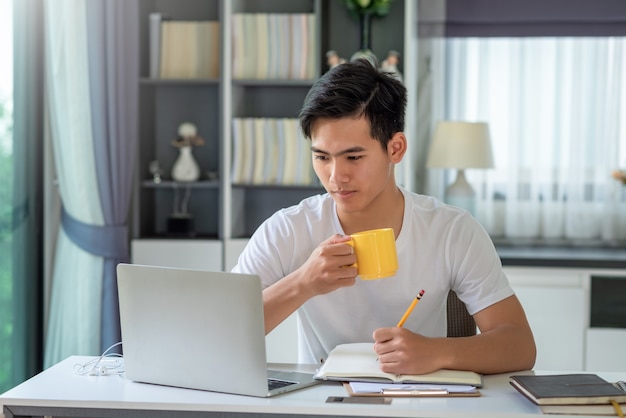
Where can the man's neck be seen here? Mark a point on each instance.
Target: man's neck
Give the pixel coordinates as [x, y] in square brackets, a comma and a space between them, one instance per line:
[386, 212]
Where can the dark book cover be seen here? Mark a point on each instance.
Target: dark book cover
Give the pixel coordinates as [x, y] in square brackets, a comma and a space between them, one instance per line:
[563, 389]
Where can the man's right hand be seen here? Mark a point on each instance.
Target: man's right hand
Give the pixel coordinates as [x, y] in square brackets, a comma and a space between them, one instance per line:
[329, 267]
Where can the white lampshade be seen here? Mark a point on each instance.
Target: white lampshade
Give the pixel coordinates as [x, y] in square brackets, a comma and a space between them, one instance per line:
[461, 145]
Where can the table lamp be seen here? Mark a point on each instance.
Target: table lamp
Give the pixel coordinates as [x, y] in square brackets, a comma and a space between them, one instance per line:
[461, 145]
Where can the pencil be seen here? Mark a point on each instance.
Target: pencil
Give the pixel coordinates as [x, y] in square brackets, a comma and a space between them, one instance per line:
[410, 308]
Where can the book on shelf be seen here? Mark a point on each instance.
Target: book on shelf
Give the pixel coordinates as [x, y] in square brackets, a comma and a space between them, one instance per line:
[237, 39]
[261, 36]
[250, 50]
[274, 46]
[260, 153]
[189, 49]
[311, 65]
[567, 389]
[304, 157]
[270, 151]
[298, 46]
[237, 151]
[155, 20]
[274, 39]
[280, 141]
[284, 47]
[359, 362]
[248, 151]
[303, 46]
[272, 157]
[208, 47]
[290, 171]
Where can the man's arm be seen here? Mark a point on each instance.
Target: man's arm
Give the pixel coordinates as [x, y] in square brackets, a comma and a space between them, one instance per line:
[327, 269]
[282, 299]
[504, 344]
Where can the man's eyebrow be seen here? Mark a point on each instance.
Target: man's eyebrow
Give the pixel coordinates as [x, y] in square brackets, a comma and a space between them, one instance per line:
[340, 153]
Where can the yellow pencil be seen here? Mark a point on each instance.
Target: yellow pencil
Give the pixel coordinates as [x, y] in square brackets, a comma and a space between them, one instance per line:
[410, 309]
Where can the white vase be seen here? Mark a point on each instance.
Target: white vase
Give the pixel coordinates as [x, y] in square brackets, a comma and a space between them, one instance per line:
[185, 168]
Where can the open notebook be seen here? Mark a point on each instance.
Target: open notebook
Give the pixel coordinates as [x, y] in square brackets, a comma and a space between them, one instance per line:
[197, 329]
[357, 362]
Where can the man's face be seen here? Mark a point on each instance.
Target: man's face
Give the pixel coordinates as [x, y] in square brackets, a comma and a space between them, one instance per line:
[352, 166]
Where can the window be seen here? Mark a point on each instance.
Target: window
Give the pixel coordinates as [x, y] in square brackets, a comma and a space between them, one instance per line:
[21, 136]
[556, 108]
[6, 175]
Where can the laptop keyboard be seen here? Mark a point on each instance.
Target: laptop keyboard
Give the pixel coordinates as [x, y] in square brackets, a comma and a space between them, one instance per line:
[276, 383]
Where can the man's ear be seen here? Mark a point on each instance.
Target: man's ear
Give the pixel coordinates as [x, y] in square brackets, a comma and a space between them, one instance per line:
[396, 147]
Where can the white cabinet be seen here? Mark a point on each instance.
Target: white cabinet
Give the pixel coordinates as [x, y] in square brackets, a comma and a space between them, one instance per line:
[232, 249]
[560, 304]
[182, 253]
[556, 318]
[605, 349]
[555, 305]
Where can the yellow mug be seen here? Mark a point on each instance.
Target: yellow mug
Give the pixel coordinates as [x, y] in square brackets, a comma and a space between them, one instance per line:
[375, 252]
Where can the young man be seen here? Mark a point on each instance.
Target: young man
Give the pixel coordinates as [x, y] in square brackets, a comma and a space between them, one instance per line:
[354, 117]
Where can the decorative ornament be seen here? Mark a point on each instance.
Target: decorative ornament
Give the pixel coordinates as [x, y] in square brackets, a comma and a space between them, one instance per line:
[333, 59]
[186, 168]
[390, 64]
[365, 10]
[156, 171]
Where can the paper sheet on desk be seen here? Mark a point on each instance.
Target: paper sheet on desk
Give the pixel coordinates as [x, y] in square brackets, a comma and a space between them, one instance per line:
[366, 387]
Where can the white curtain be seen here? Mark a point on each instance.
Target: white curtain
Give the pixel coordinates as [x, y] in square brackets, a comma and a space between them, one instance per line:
[74, 321]
[556, 108]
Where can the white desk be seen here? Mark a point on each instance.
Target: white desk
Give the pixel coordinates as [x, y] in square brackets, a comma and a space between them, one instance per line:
[58, 391]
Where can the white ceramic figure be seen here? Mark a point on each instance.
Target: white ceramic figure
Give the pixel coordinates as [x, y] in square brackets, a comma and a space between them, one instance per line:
[186, 168]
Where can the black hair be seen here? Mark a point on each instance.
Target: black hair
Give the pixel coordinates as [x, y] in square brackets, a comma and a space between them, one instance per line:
[357, 89]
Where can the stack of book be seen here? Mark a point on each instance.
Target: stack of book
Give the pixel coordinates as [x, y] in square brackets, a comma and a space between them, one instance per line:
[279, 46]
[270, 151]
[572, 394]
[184, 49]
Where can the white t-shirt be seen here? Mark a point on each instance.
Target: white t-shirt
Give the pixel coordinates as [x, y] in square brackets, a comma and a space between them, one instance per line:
[439, 248]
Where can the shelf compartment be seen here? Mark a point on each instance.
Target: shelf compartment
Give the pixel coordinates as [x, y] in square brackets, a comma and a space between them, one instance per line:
[252, 205]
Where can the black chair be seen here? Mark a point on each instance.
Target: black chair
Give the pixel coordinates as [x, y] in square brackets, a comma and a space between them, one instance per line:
[460, 322]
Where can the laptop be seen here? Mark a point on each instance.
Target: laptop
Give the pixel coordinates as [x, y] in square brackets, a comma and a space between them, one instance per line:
[199, 330]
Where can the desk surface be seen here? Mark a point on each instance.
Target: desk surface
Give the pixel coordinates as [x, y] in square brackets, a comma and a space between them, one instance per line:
[59, 391]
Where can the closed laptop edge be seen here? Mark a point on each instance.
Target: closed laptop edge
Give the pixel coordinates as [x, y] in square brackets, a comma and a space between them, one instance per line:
[196, 329]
